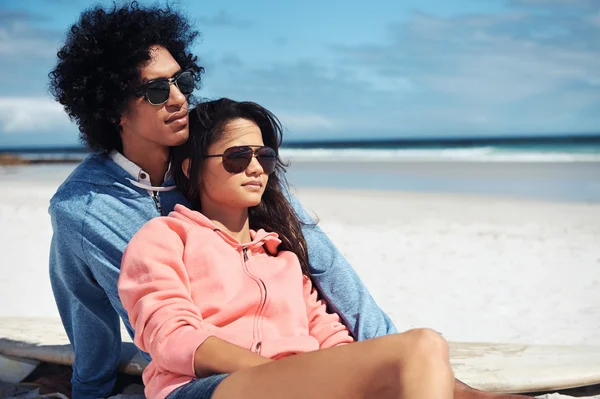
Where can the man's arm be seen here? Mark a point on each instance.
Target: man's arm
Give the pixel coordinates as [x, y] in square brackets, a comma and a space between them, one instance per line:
[338, 283]
[325, 327]
[90, 321]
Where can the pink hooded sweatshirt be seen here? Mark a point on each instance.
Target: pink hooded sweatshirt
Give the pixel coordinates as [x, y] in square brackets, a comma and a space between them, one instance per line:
[183, 280]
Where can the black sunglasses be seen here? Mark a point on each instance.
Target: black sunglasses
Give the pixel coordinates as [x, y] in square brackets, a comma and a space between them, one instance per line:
[236, 159]
[157, 91]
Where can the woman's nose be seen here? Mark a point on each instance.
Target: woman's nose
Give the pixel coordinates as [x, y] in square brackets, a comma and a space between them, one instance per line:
[254, 167]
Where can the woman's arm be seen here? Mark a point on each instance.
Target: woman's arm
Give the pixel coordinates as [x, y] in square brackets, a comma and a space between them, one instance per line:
[219, 356]
[155, 291]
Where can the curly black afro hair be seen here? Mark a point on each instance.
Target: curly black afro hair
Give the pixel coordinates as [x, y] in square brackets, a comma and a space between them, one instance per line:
[98, 68]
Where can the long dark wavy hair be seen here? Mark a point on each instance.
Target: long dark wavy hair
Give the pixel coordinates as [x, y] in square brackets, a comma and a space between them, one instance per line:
[274, 213]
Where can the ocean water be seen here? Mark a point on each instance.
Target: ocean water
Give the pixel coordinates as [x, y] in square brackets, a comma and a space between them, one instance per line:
[551, 171]
[514, 153]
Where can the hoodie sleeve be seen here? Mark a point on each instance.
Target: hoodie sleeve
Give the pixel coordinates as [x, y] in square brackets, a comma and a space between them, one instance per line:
[155, 290]
[325, 327]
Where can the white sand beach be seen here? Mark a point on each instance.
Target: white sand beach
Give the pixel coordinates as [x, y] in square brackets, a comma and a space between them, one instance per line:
[474, 268]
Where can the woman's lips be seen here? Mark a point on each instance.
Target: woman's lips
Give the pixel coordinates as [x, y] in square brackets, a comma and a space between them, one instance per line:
[255, 184]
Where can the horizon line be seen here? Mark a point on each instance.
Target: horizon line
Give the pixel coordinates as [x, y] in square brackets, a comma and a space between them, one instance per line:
[373, 142]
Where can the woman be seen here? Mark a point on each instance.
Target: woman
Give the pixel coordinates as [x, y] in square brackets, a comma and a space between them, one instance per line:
[220, 295]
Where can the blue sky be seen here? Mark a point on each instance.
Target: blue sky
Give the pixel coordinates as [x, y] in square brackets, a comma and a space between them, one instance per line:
[350, 69]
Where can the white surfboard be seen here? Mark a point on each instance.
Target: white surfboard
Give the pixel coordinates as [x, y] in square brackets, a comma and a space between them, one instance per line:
[508, 368]
[44, 339]
[520, 368]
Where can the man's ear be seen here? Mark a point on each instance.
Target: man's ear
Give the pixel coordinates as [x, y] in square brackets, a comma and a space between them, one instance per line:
[124, 117]
[185, 167]
[121, 121]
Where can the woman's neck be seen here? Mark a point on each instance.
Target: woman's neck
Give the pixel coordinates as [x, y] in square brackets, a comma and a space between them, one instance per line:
[234, 222]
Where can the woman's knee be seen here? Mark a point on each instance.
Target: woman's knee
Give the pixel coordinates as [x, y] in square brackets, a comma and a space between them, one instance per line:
[418, 352]
[417, 346]
[413, 348]
[427, 343]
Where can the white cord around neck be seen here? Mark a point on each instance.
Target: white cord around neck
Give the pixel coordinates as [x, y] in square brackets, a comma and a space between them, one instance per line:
[151, 188]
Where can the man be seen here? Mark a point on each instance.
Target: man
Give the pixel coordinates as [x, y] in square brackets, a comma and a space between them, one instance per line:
[125, 76]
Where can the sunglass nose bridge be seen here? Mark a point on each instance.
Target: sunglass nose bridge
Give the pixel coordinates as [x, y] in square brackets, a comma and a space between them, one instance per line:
[158, 91]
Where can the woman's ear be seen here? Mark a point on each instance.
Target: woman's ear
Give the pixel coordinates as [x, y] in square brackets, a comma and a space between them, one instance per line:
[185, 167]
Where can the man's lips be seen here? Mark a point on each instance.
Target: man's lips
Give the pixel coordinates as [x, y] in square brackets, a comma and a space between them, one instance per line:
[178, 115]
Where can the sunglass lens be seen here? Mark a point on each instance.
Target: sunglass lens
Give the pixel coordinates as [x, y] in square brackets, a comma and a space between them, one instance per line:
[267, 157]
[185, 83]
[158, 92]
[237, 159]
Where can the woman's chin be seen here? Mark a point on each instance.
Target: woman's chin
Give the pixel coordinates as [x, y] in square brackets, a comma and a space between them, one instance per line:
[251, 202]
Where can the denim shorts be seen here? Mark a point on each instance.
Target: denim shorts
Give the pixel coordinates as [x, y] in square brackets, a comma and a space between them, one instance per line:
[201, 388]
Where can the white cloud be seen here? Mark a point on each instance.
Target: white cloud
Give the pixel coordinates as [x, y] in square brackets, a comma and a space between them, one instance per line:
[546, 2]
[18, 39]
[507, 72]
[306, 121]
[31, 115]
[224, 19]
[596, 20]
[502, 69]
[377, 82]
[563, 3]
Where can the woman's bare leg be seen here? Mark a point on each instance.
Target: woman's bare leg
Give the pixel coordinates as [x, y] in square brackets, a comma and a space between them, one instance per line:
[414, 364]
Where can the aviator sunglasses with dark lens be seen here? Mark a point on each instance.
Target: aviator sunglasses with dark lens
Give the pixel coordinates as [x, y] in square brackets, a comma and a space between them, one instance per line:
[157, 91]
[236, 159]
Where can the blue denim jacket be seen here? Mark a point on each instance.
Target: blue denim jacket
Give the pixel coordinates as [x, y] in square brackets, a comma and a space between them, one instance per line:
[94, 214]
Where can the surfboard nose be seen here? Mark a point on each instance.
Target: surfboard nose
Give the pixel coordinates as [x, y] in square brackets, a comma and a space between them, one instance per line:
[14, 370]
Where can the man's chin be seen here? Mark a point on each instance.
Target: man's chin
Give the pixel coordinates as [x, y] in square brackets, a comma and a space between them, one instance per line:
[180, 137]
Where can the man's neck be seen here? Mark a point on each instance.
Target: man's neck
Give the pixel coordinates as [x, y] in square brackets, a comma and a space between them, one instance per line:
[153, 160]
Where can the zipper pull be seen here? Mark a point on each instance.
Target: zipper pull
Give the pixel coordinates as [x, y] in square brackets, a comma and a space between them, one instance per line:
[157, 201]
[245, 251]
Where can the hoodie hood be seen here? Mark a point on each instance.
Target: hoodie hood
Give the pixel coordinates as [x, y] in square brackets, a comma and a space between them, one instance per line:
[259, 238]
[98, 169]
